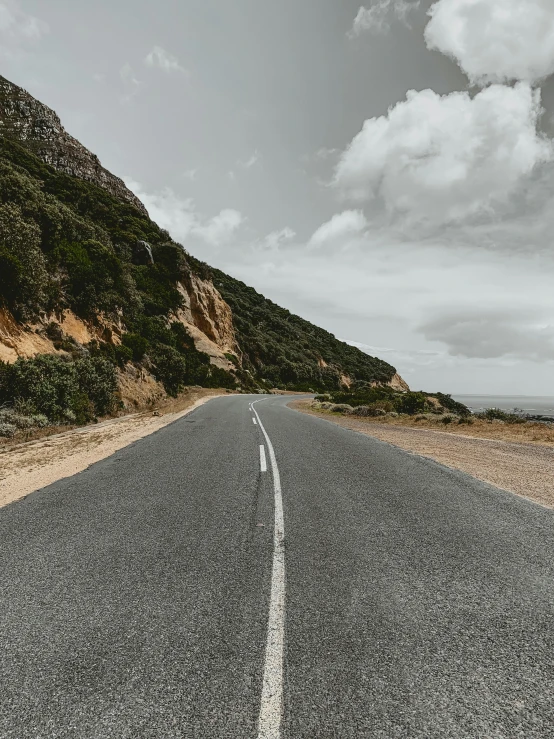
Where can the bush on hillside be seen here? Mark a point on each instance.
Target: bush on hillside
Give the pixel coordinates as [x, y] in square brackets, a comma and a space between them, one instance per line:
[59, 388]
[452, 405]
[411, 403]
[170, 368]
[23, 275]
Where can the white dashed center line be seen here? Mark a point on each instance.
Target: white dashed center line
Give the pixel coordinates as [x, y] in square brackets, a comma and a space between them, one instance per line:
[271, 707]
[263, 462]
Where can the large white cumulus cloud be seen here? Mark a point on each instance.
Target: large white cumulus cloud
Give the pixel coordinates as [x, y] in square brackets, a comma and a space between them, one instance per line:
[442, 158]
[495, 40]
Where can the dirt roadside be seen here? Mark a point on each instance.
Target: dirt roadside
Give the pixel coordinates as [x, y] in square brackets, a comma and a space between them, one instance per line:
[32, 465]
[522, 468]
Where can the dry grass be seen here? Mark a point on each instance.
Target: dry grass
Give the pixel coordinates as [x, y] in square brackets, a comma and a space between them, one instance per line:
[522, 433]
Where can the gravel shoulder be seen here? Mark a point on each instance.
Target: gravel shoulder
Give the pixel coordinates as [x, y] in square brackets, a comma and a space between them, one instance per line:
[522, 468]
[30, 466]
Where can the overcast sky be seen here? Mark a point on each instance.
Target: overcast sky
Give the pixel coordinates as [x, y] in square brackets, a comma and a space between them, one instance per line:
[386, 172]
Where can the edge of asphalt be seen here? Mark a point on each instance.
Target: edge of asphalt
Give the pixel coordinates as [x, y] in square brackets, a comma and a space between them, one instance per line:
[69, 465]
[461, 475]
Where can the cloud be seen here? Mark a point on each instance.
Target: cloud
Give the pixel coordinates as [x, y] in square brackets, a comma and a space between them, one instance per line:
[324, 153]
[131, 83]
[221, 228]
[18, 28]
[180, 218]
[339, 229]
[376, 19]
[173, 213]
[251, 161]
[165, 61]
[495, 40]
[493, 334]
[276, 238]
[190, 174]
[442, 158]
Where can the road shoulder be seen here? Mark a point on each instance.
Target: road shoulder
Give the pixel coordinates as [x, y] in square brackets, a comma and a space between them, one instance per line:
[523, 469]
[32, 465]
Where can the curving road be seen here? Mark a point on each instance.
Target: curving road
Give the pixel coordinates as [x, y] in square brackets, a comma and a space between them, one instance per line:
[405, 600]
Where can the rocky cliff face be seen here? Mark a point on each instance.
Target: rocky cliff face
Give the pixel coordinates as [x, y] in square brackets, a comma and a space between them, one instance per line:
[397, 383]
[40, 130]
[209, 321]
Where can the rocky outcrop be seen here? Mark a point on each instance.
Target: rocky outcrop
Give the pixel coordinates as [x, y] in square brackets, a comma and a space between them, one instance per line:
[209, 320]
[40, 130]
[397, 383]
[27, 340]
[18, 341]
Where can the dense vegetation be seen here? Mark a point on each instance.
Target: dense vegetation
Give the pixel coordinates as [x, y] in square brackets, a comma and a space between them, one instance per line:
[381, 400]
[66, 243]
[60, 389]
[285, 350]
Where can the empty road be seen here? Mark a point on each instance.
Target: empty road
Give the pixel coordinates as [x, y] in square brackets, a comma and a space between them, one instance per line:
[253, 572]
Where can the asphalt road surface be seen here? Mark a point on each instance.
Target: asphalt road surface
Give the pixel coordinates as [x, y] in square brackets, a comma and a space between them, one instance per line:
[153, 596]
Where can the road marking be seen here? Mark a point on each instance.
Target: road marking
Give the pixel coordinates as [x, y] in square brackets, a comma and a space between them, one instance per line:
[263, 463]
[271, 707]
[255, 422]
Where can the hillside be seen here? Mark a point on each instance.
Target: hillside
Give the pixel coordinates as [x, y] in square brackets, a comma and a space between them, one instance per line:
[87, 278]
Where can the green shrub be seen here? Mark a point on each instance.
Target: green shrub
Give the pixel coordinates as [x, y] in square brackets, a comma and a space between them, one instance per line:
[410, 403]
[170, 368]
[23, 275]
[137, 344]
[497, 414]
[218, 377]
[342, 408]
[59, 388]
[452, 405]
[7, 430]
[123, 354]
[94, 277]
[97, 381]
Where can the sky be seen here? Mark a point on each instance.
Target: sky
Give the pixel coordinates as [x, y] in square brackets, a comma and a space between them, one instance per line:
[384, 171]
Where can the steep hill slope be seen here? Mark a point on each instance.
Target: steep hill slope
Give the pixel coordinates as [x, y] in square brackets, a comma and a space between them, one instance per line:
[37, 126]
[86, 275]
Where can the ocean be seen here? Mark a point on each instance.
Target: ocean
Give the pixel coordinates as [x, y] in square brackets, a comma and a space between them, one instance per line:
[534, 405]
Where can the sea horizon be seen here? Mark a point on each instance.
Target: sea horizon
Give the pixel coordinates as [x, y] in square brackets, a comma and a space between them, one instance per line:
[539, 405]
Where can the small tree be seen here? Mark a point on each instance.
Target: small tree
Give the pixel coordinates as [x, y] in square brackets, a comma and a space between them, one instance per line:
[23, 275]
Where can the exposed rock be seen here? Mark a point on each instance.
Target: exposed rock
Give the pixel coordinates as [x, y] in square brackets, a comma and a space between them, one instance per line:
[209, 320]
[26, 341]
[346, 381]
[396, 382]
[40, 129]
[17, 341]
[142, 253]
